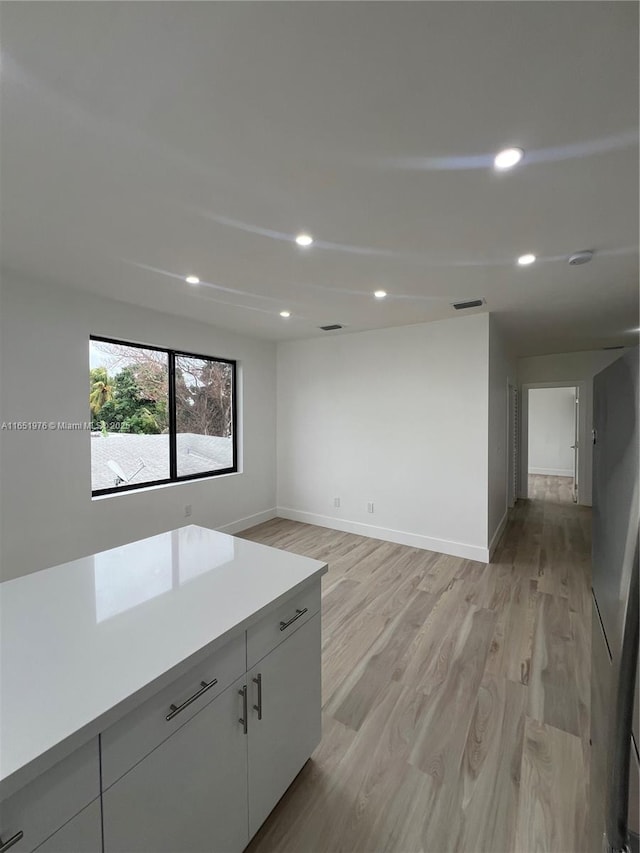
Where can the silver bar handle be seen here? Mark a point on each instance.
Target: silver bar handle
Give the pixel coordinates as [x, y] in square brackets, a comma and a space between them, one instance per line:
[175, 709]
[244, 719]
[258, 680]
[299, 613]
[5, 845]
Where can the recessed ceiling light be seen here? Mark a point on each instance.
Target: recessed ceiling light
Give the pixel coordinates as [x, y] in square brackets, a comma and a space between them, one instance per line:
[525, 260]
[380, 294]
[304, 239]
[508, 158]
[192, 279]
[285, 313]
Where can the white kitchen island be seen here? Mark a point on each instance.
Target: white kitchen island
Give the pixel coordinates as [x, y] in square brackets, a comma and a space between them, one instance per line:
[157, 697]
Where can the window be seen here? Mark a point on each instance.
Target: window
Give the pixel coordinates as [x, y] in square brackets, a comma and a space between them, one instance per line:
[158, 416]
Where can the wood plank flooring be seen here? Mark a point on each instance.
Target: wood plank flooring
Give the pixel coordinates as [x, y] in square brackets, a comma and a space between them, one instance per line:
[546, 487]
[455, 694]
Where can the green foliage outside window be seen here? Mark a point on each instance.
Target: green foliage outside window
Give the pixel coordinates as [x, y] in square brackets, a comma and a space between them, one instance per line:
[133, 400]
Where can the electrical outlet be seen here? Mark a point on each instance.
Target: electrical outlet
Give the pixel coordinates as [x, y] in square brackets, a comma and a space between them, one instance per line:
[187, 510]
[370, 506]
[336, 502]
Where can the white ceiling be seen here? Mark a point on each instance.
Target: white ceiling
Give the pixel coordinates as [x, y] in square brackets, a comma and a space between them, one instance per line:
[145, 141]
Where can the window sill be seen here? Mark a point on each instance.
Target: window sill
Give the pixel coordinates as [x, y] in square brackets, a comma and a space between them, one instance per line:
[158, 486]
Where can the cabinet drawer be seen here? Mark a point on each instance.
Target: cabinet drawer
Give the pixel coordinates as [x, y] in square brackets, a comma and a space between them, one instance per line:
[132, 738]
[280, 623]
[82, 834]
[53, 798]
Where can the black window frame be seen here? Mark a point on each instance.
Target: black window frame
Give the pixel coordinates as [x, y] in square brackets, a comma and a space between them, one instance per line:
[173, 458]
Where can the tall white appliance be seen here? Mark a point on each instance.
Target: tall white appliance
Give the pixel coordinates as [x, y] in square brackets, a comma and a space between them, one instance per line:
[615, 736]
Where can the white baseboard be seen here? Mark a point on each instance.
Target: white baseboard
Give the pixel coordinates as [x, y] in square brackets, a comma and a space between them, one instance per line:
[249, 521]
[552, 472]
[498, 534]
[401, 537]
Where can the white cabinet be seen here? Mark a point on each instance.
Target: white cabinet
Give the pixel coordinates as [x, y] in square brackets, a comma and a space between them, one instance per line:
[83, 834]
[285, 717]
[37, 811]
[281, 622]
[210, 785]
[189, 794]
[128, 741]
[194, 764]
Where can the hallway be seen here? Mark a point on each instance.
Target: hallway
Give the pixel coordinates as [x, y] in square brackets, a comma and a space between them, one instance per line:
[455, 694]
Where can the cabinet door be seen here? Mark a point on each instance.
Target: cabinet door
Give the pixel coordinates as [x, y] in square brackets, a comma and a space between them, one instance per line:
[189, 794]
[289, 680]
[37, 811]
[82, 834]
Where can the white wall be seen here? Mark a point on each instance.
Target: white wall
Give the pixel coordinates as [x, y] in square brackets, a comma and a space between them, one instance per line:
[411, 418]
[571, 368]
[47, 514]
[552, 413]
[502, 373]
[398, 417]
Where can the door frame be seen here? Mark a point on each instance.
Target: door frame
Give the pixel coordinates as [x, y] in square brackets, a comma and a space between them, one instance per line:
[513, 443]
[583, 439]
[577, 447]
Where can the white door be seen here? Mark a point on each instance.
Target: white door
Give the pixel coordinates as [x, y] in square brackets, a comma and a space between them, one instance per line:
[285, 717]
[576, 447]
[190, 794]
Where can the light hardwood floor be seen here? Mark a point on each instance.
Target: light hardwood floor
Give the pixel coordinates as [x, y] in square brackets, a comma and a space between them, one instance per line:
[455, 694]
[555, 489]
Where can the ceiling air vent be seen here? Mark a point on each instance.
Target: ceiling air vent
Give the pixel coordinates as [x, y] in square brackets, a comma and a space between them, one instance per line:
[618, 347]
[471, 303]
[580, 258]
[331, 327]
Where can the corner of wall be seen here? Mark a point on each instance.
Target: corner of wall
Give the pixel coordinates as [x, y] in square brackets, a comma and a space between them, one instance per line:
[502, 374]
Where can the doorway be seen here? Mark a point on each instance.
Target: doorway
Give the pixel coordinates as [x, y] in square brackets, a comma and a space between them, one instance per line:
[553, 445]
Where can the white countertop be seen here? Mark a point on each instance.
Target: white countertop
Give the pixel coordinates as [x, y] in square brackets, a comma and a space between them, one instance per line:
[84, 642]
